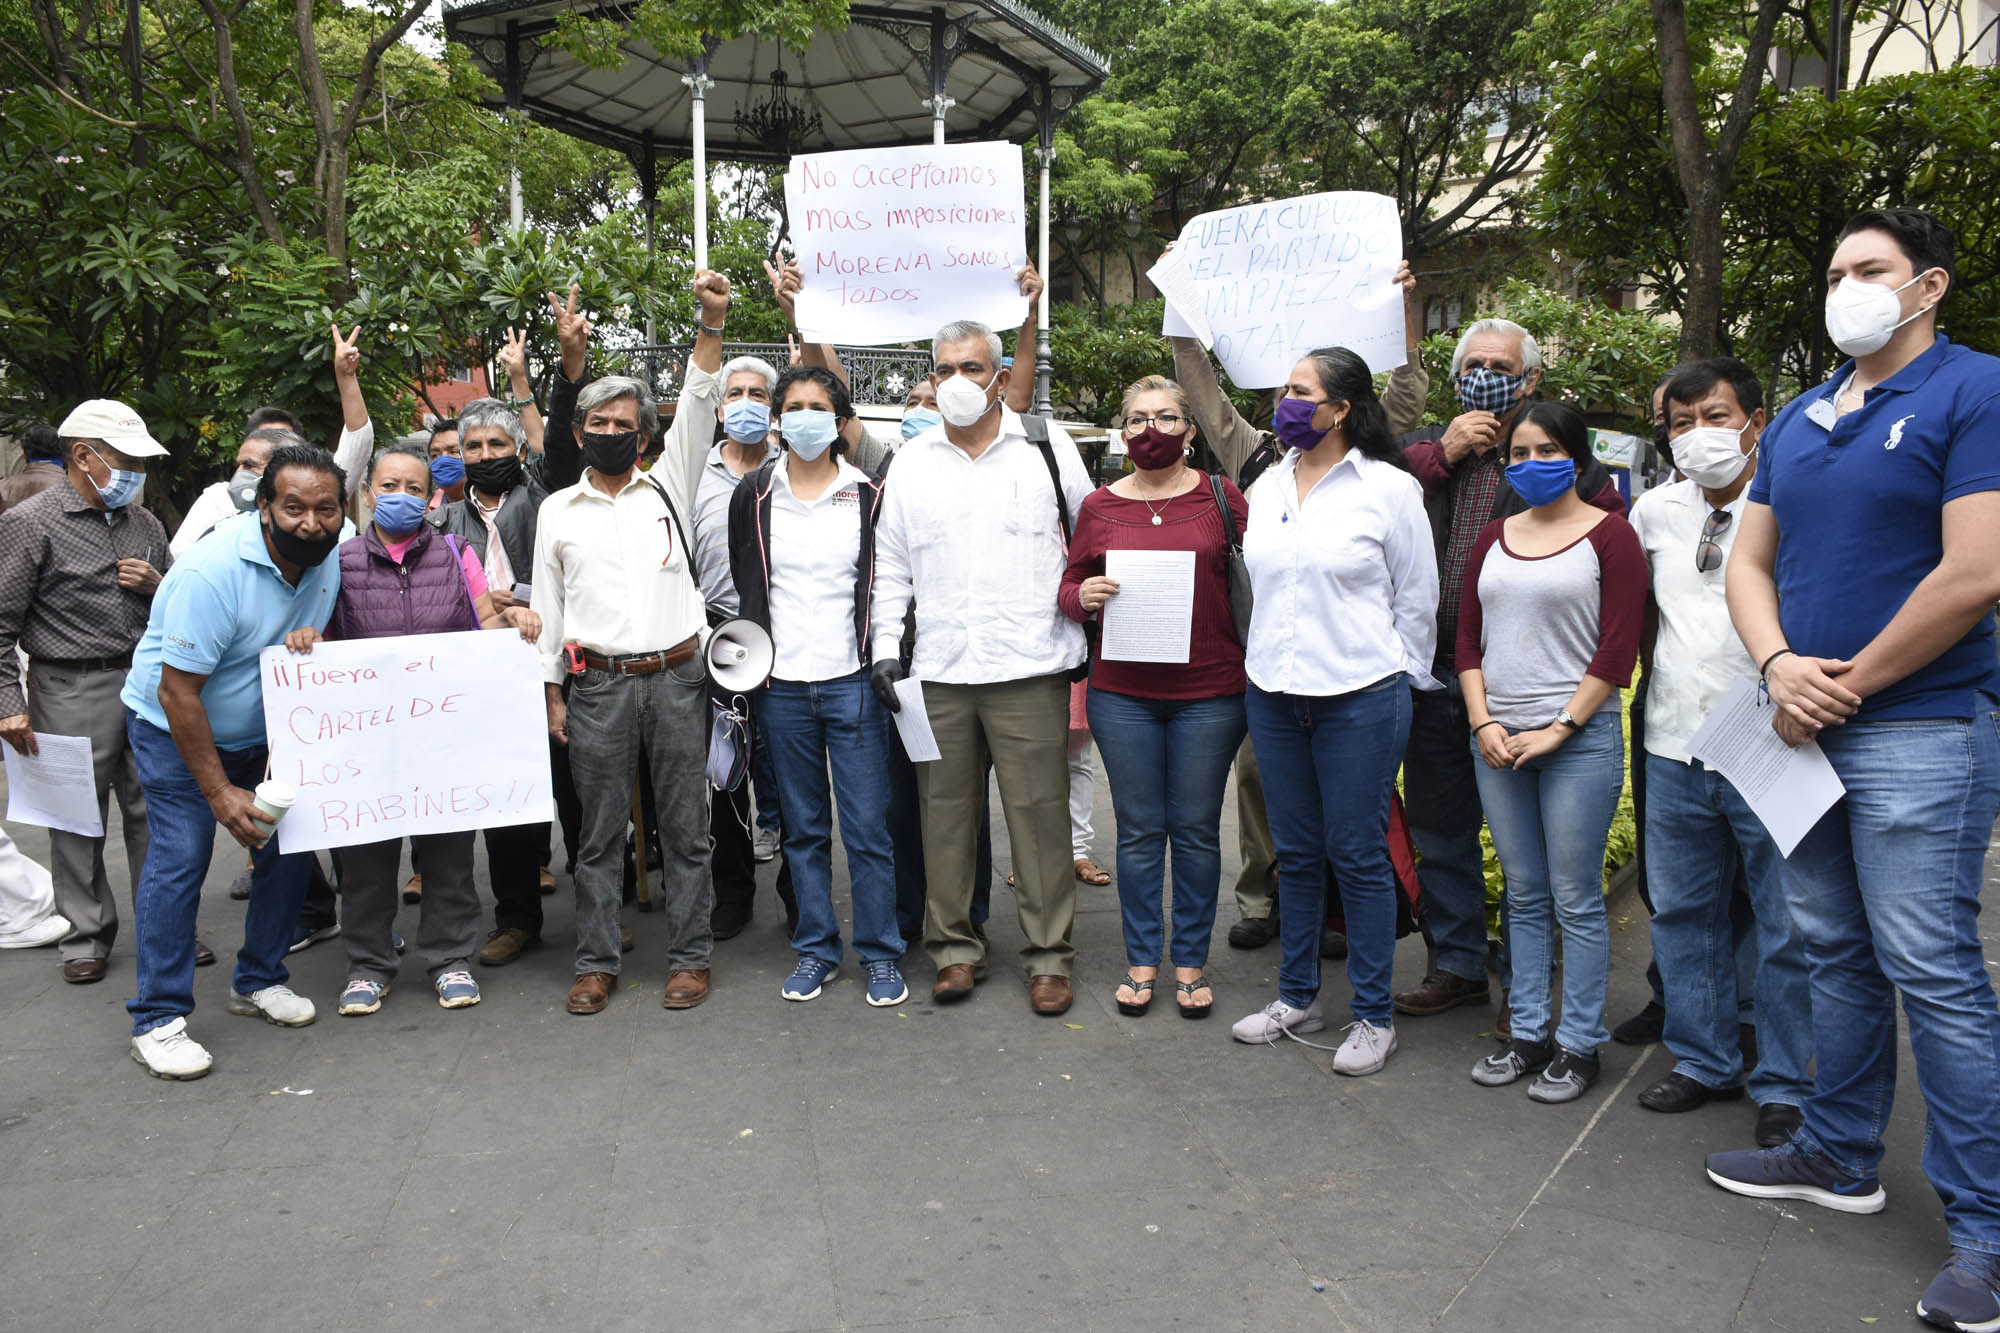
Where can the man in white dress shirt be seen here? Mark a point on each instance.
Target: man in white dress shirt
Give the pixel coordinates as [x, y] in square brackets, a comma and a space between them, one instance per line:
[621, 617]
[974, 529]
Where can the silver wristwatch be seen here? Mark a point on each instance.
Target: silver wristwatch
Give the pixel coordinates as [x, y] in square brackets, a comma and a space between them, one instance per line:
[1568, 721]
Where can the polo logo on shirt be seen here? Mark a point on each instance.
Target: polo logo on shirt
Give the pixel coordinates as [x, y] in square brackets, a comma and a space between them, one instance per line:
[1896, 432]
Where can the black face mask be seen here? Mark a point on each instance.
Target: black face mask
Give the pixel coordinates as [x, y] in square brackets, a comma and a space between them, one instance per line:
[495, 476]
[1663, 446]
[612, 455]
[305, 552]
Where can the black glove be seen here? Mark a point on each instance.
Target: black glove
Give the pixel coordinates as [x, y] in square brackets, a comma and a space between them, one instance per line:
[882, 678]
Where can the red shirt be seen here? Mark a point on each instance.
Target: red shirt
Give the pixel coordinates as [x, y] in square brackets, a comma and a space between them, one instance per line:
[1189, 522]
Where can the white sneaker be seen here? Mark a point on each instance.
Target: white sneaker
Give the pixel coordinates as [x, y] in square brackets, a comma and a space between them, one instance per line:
[168, 1051]
[1275, 1019]
[46, 931]
[274, 1004]
[1367, 1048]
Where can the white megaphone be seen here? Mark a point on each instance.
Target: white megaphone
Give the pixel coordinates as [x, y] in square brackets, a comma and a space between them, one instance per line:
[739, 656]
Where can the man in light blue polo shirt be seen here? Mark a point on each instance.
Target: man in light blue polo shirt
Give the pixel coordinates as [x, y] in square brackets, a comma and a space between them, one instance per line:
[1862, 584]
[195, 717]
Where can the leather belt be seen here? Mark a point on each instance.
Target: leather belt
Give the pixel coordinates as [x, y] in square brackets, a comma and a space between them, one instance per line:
[123, 663]
[640, 664]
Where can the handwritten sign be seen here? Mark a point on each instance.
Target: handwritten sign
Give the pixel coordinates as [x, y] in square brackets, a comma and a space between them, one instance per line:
[397, 737]
[895, 243]
[1266, 283]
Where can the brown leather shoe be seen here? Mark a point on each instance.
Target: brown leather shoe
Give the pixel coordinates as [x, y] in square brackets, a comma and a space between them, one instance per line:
[1441, 991]
[954, 983]
[203, 955]
[504, 946]
[686, 988]
[590, 992]
[83, 971]
[1049, 995]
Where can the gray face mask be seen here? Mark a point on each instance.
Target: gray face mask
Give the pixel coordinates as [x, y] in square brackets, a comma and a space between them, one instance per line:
[243, 489]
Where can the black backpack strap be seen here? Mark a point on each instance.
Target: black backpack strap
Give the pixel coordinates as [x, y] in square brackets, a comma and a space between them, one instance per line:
[1228, 516]
[673, 516]
[1037, 429]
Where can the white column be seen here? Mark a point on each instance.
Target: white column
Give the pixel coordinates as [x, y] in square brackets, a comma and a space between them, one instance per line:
[1044, 360]
[938, 105]
[698, 85]
[514, 213]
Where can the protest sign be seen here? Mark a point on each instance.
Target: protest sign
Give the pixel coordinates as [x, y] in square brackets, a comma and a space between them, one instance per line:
[397, 737]
[894, 243]
[1266, 283]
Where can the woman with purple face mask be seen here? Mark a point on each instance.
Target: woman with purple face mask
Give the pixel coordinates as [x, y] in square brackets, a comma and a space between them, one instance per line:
[1167, 730]
[1344, 570]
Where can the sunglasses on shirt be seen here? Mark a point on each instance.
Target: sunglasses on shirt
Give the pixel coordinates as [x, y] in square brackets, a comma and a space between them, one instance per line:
[1708, 553]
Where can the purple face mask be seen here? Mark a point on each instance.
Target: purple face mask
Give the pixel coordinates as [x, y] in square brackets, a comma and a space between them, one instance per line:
[1293, 422]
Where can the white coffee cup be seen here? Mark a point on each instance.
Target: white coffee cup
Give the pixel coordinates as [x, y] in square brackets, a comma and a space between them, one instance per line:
[273, 797]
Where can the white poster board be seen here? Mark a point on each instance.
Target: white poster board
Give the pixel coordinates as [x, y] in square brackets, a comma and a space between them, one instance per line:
[1266, 283]
[894, 243]
[397, 737]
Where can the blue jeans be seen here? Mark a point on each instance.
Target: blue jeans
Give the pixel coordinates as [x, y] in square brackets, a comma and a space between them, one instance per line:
[169, 887]
[1329, 764]
[764, 780]
[1698, 830]
[1550, 819]
[806, 726]
[1167, 761]
[1885, 890]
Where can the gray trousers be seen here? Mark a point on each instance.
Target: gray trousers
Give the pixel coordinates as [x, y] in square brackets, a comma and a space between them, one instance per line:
[615, 724]
[1257, 884]
[85, 703]
[370, 894]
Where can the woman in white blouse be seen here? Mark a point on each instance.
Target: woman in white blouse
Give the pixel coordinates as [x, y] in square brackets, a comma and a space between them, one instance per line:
[1344, 571]
[802, 550]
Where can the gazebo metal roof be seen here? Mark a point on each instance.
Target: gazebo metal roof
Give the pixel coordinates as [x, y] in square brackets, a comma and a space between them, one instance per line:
[1004, 72]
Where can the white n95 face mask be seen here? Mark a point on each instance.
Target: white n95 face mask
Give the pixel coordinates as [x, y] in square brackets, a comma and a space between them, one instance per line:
[1861, 316]
[962, 402]
[1711, 456]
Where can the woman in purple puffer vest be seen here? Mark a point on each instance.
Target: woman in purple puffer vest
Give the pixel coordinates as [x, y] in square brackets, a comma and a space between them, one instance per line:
[402, 576]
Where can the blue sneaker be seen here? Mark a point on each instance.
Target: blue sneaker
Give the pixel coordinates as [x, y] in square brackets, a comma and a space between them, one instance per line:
[457, 990]
[1794, 1172]
[396, 938]
[807, 979]
[1965, 1294]
[886, 985]
[306, 936]
[362, 996]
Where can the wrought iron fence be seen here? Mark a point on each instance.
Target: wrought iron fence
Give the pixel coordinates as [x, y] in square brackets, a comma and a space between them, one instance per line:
[874, 374]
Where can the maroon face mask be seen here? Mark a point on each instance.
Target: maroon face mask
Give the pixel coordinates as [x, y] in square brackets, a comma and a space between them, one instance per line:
[1154, 448]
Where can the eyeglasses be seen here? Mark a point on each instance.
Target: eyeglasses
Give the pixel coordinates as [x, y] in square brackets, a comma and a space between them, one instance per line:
[1708, 554]
[1169, 422]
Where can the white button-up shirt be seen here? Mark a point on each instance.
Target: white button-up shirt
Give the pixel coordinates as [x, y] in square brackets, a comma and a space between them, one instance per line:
[614, 574]
[815, 560]
[978, 544]
[1345, 582]
[1697, 657]
[711, 529]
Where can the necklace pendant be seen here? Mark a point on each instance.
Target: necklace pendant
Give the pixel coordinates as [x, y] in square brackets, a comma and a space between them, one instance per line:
[1156, 520]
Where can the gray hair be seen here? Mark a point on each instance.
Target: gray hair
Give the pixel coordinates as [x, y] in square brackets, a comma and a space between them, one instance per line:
[1531, 354]
[964, 330]
[278, 437]
[492, 412]
[736, 365]
[609, 389]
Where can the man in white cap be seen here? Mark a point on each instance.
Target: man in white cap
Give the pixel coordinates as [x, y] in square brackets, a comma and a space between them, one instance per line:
[78, 566]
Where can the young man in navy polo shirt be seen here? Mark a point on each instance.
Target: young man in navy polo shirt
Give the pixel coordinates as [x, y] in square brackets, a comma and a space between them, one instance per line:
[1863, 584]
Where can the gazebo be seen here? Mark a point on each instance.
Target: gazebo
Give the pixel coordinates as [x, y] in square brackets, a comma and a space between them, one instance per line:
[900, 72]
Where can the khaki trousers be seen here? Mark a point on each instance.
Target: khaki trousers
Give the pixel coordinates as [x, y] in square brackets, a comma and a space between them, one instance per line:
[1024, 726]
[1257, 885]
[63, 702]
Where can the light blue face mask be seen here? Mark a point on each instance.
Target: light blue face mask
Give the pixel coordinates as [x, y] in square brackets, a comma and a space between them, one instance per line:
[399, 513]
[747, 421]
[808, 432]
[122, 488]
[920, 419]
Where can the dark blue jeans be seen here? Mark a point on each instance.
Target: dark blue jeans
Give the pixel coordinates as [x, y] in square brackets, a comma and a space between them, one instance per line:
[1329, 764]
[1167, 761]
[807, 726]
[169, 888]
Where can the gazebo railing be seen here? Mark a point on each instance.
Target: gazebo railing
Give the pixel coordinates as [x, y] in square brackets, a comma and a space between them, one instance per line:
[875, 375]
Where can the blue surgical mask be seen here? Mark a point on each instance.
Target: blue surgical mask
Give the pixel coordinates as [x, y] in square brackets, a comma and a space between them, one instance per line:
[747, 421]
[920, 419]
[1483, 389]
[447, 469]
[1542, 481]
[122, 488]
[808, 432]
[399, 512]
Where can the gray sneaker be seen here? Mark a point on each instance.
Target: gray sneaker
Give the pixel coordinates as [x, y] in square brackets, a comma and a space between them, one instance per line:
[1515, 1060]
[1567, 1078]
[1367, 1048]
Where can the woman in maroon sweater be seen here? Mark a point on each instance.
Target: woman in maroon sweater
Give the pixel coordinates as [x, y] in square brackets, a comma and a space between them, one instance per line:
[1167, 731]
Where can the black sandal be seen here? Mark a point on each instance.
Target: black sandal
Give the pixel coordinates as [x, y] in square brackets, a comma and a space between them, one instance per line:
[1145, 988]
[1189, 988]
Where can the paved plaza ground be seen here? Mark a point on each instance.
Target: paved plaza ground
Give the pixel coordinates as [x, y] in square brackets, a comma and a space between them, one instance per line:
[754, 1164]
